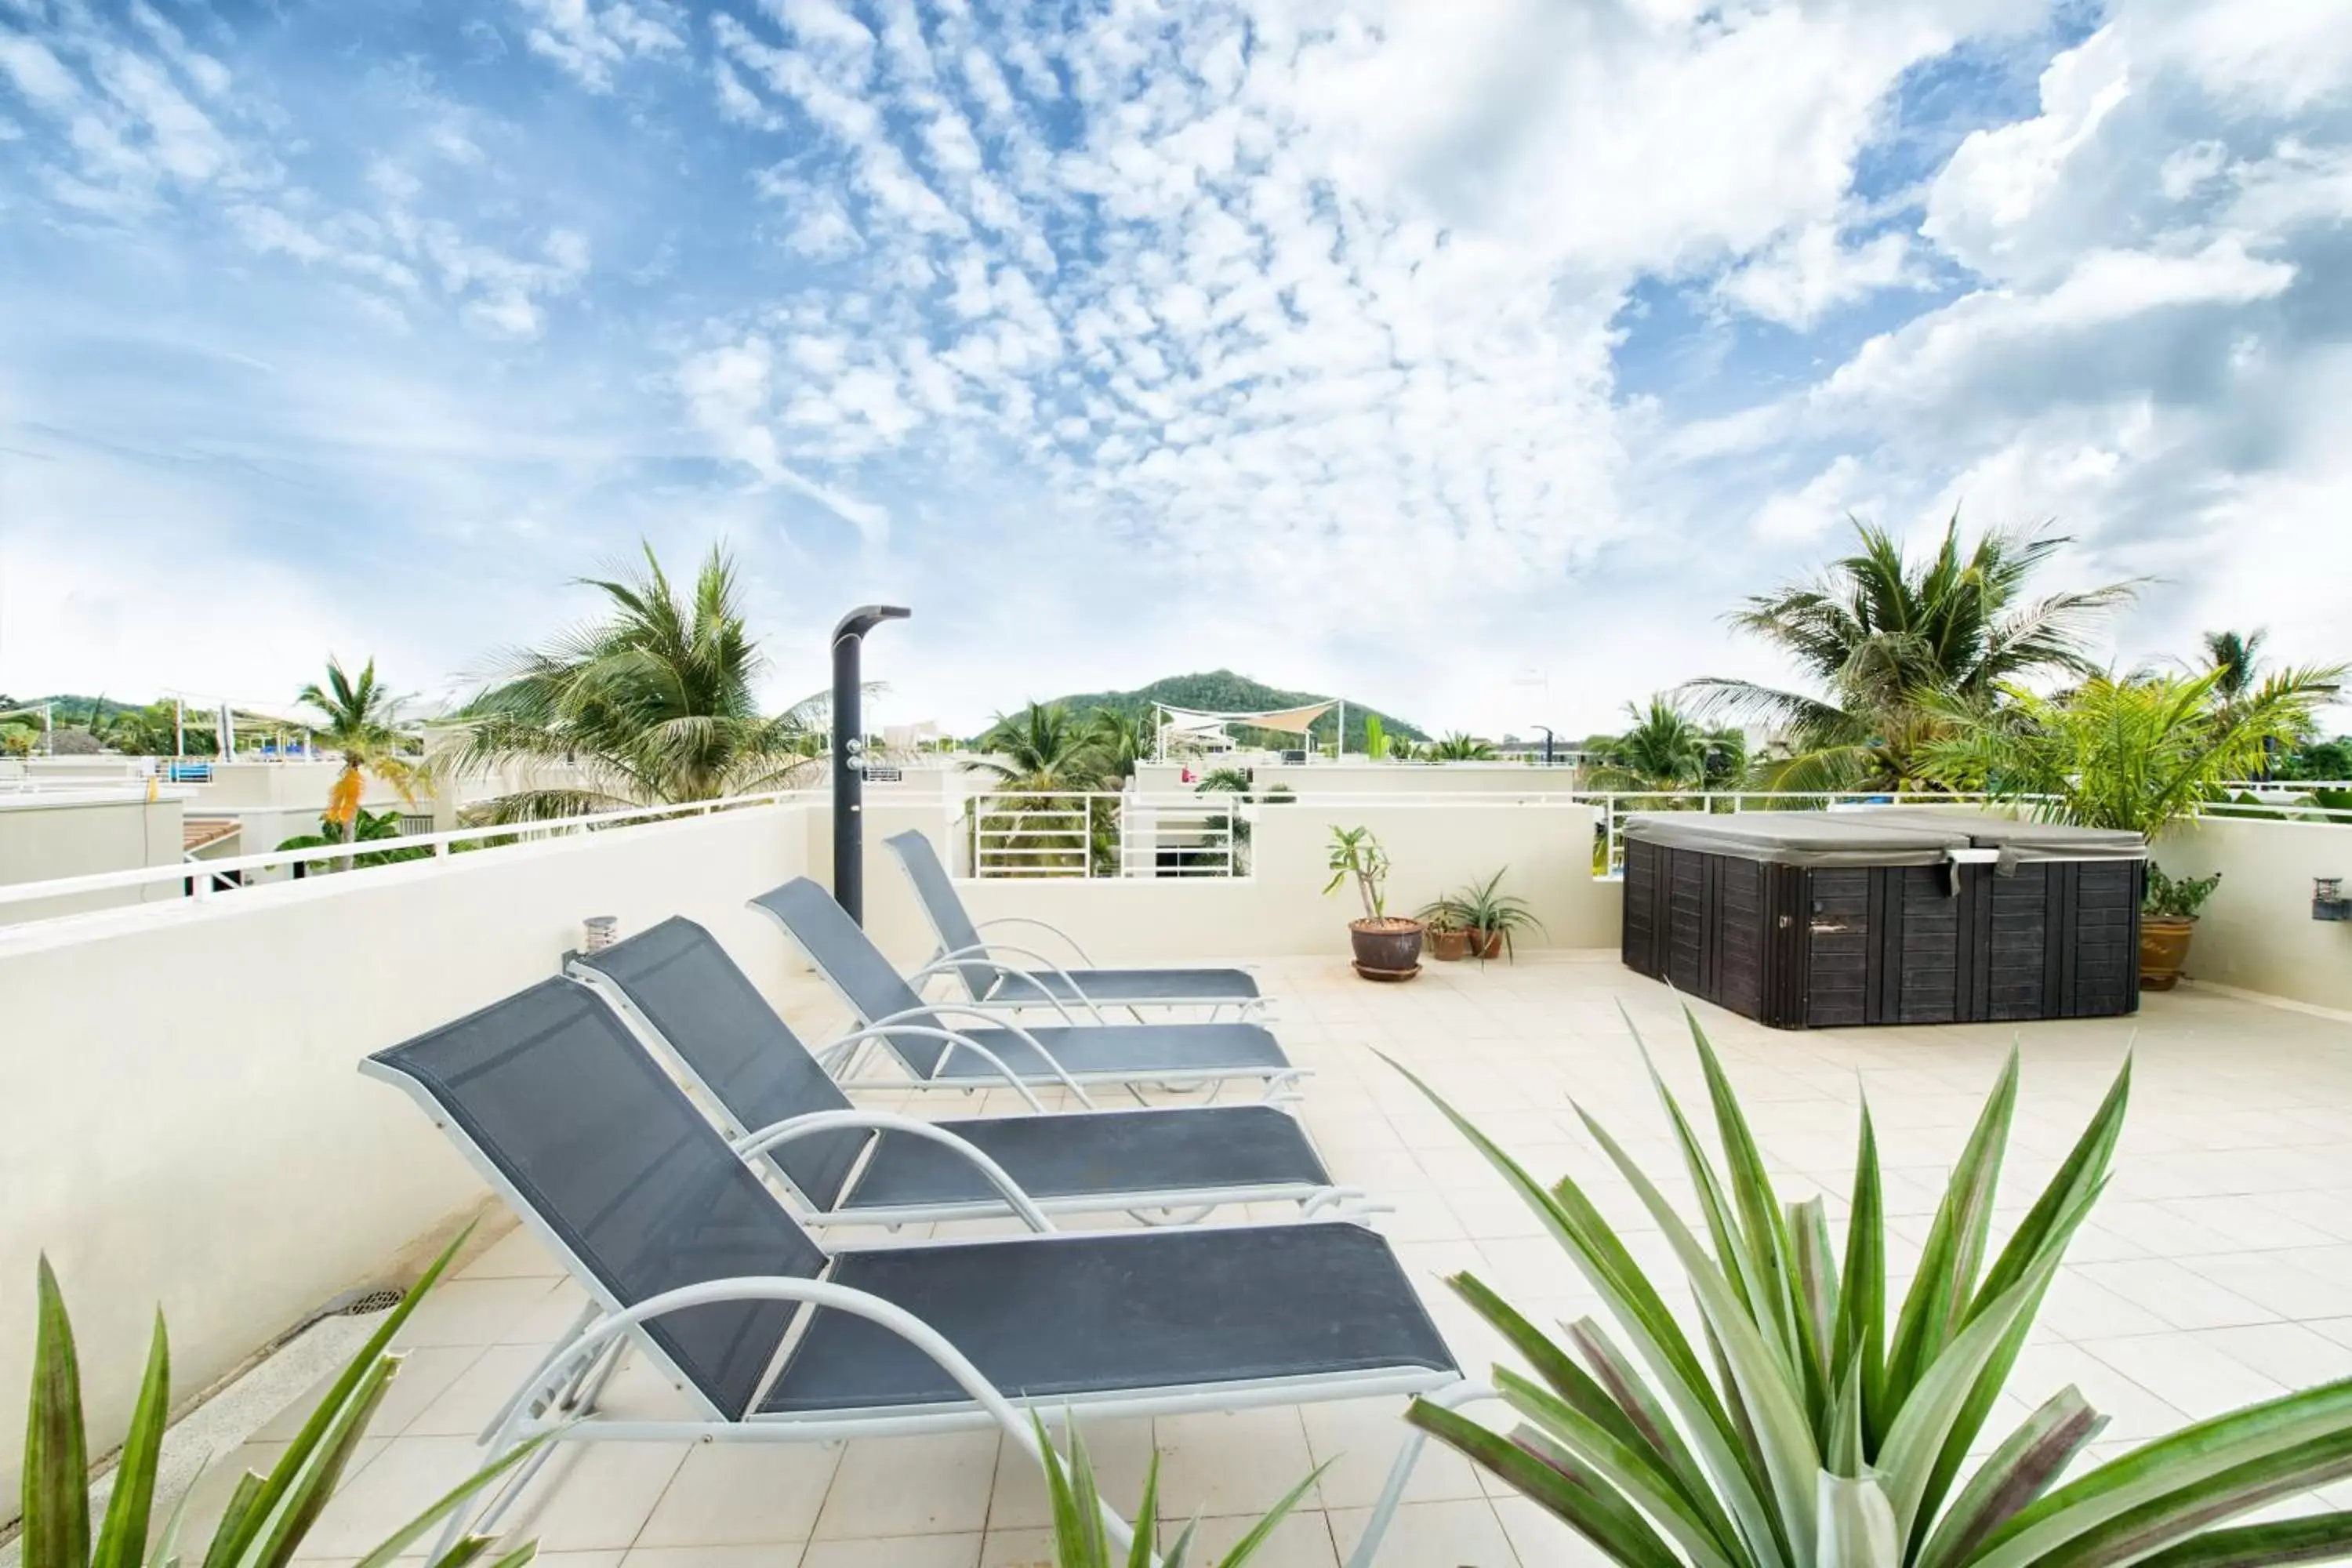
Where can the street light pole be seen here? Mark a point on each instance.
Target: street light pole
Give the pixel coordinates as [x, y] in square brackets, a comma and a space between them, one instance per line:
[849, 756]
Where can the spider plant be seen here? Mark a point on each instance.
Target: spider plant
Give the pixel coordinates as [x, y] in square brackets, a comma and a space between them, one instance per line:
[1810, 1432]
[1490, 913]
[268, 1517]
[1081, 1540]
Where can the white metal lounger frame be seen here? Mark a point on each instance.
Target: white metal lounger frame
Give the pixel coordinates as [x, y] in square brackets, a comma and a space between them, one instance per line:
[558, 1399]
[841, 1058]
[753, 1143]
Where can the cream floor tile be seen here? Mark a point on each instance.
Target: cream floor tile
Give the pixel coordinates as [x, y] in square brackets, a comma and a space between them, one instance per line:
[2274, 1281]
[1120, 1452]
[474, 1311]
[960, 1550]
[2134, 1413]
[1226, 1463]
[1430, 1535]
[910, 1486]
[1542, 1542]
[579, 1559]
[1301, 1540]
[465, 1403]
[595, 1496]
[2292, 1355]
[517, 1255]
[773, 1555]
[424, 1374]
[387, 1493]
[1359, 1438]
[1018, 1549]
[731, 1494]
[2186, 1371]
[2183, 1298]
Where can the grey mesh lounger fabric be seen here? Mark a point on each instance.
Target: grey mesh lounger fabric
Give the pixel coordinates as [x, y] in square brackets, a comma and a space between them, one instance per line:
[1112, 1052]
[987, 979]
[681, 1248]
[680, 981]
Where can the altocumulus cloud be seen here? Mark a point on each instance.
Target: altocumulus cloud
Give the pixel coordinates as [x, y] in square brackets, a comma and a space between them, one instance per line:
[1411, 348]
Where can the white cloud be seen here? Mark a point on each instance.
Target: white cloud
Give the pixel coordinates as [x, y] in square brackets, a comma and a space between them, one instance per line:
[589, 40]
[1808, 274]
[1814, 509]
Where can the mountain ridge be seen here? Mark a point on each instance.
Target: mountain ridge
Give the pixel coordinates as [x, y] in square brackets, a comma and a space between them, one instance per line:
[1224, 691]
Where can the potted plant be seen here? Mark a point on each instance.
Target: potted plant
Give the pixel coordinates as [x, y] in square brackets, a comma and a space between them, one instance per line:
[2168, 919]
[1493, 916]
[1387, 946]
[1449, 932]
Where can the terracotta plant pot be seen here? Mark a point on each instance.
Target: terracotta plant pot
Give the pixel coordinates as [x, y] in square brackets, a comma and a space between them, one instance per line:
[2163, 949]
[1388, 946]
[1449, 946]
[1486, 943]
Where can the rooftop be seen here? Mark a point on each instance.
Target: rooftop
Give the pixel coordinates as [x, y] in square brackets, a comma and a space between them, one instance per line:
[2218, 1269]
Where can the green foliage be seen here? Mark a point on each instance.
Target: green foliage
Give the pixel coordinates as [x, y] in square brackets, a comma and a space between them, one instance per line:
[362, 723]
[1223, 691]
[651, 705]
[1082, 1541]
[1458, 746]
[2176, 897]
[1120, 741]
[267, 1516]
[1042, 747]
[1483, 911]
[1812, 1429]
[2316, 760]
[2138, 752]
[19, 739]
[1665, 748]
[1355, 853]
[1376, 738]
[365, 825]
[1897, 646]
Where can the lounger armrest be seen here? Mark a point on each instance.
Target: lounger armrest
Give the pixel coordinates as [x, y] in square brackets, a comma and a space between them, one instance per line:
[884, 1032]
[1083, 962]
[965, 1010]
[781, 1132]
[980, 951]
[835, 1297]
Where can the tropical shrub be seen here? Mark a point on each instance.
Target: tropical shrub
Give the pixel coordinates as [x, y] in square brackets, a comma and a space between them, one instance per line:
[1483, 911]
[1376, 738]
[2137, 752]
[1813, 1433]
[1081, 1540]
[2176, 897]
[365, 825]
[268, 1517]
[361, 724]
[1356, 854]
[1457, 746]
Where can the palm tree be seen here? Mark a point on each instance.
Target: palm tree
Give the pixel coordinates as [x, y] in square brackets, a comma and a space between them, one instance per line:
[2134, 752]
[1121, 739]
[2237, 658]
[1459, 746]
[651, 705]
[1664, 750]
[363, 719]
[1040, 749]
[1896, 645]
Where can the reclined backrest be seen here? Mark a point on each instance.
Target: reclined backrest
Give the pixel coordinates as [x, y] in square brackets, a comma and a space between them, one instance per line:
[590, 1134]
[706, 1010]
[941, 903]
[850, 960]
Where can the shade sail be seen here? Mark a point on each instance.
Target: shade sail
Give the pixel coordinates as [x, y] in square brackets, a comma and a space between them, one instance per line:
[1197, 721]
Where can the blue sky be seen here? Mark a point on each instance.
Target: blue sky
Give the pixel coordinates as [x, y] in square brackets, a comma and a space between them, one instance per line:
[1470, 358]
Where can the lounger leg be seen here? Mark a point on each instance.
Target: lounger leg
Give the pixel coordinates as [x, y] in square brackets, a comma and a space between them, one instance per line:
[1408, 1455]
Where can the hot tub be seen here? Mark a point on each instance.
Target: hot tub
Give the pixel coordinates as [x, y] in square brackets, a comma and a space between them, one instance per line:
[1885, 915]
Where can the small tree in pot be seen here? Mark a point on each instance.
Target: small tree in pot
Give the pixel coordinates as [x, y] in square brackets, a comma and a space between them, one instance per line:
[2167, 918]
[1387, 946]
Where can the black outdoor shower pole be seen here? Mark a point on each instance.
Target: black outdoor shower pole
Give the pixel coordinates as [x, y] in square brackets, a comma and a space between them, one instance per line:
[849, 756]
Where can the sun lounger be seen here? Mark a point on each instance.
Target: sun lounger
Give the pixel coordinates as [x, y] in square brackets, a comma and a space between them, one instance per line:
[686, 1256]
[1033, 980]
[687, 999]
[973, 1055]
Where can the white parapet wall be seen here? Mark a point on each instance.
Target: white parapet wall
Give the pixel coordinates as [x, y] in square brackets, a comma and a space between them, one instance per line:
[75, 830]
[1280, 908]
[184, 1124]
[2257, 933]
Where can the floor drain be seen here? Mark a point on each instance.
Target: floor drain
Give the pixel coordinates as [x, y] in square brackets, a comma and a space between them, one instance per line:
[367, 1301]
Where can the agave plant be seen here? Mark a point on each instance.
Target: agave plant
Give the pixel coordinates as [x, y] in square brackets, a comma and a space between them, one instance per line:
[268, 1517]
[1809, 1433]
[1082, 1538]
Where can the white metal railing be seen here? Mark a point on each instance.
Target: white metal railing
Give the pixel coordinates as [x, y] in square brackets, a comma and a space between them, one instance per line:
[1098, 834]
[205, 879]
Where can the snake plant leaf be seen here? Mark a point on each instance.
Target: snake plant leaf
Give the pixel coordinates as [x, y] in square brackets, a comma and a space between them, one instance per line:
[1842, 1455]
[2183, 1462]
[1072, 1543]
[2162, 1521]
[1751, 1188]
[242, 1501]
[1946, 1284]
[399, 1541]
[1583, 1392]
[1180, 1551]
[520, 1557]
[56, 1460]
[1782, 1433]
[1813, 1279]
[1572, 1220]
[122, 1539]
[1629, 1469]
[2314, 1538]
[166, 1551]
[1752, 1451]
[1146, 1516]
[1591, 1509]
[232, 1542]
[2021, 1469]
[306, 1494]
[1615, 1374]
[468, 1551]
[1861, 1285]
[1858, 1527]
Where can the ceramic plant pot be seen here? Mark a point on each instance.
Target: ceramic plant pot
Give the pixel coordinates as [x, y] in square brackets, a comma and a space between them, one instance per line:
[1386, 947]
[2163, 949]
[1449, 946]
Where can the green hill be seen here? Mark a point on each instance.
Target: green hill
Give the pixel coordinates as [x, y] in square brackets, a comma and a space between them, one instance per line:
[1223, 691]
